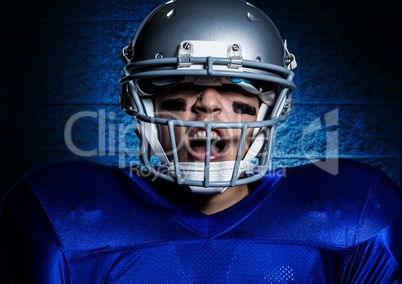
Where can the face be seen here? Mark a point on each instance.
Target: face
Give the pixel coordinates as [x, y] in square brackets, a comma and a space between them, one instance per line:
[226, 103]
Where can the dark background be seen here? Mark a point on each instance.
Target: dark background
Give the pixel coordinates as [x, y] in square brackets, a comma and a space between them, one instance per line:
[61, 57]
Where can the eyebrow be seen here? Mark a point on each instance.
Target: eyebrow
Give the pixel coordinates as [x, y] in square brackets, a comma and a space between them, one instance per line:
[178, 104]
[243, 108]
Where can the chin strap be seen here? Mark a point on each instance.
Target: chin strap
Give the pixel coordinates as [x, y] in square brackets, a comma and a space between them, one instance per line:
[206, 190]
[218, 172]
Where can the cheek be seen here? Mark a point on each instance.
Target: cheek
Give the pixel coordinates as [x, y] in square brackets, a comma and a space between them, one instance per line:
[177, 115]
[164, 137]
[231, 115]
[172, 114]
[249, 137]
[236, 134]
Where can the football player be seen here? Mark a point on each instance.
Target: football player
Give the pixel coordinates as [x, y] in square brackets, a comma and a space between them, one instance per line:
[207, 82]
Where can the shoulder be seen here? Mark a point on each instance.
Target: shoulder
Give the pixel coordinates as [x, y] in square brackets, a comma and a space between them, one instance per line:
[353, 201]
[348, 178]
[71, 172]
[63, 181]
[83, 205]
[65, 189]
[60, 184]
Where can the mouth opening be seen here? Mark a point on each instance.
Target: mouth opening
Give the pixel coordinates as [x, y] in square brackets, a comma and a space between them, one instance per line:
[200, 145]
[198, 148]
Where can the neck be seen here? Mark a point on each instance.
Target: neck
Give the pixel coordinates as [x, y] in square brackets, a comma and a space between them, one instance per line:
[207, 204]
[210, 204]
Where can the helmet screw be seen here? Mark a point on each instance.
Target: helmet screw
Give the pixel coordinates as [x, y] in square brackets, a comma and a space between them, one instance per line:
[186, 45]
[288, 59]
[235, 47]
[159, 55]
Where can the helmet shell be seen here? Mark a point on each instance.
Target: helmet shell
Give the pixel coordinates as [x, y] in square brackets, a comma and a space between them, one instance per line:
[233, 21]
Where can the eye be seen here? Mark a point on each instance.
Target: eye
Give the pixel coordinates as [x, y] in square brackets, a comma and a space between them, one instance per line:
[186, 88]
[243, 108]
[178, 104]
[230, 88]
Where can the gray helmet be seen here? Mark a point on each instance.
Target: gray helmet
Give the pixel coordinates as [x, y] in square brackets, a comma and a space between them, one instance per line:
[227, 39]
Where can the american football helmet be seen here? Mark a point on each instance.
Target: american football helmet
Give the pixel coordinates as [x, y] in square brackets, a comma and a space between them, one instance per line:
[207, 42]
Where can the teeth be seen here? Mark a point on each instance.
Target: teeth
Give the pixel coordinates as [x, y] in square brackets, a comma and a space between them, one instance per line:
[203, 135]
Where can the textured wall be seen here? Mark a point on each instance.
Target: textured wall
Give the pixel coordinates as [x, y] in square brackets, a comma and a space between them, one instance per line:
[61, 57]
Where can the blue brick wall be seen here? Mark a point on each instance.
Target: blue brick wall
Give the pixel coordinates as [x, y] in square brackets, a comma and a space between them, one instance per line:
[61, 58]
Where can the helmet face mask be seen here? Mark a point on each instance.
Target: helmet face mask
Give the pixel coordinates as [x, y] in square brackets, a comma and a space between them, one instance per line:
[198, 101]
[258, 67]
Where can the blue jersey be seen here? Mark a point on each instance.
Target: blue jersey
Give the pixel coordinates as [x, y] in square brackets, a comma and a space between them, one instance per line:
[80, 222]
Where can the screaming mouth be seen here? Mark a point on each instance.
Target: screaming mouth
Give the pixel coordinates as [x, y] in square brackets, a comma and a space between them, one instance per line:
[198, 142]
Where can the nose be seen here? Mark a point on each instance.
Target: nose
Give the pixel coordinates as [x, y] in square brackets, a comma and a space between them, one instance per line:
[209, 102]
